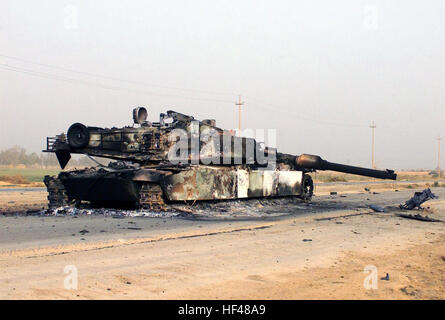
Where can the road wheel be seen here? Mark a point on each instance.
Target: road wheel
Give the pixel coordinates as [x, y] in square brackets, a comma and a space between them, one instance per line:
[307, 187]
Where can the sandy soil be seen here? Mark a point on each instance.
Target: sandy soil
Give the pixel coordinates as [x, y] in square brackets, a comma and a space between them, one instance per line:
[23, 200]
[414, 273]
[321, 255]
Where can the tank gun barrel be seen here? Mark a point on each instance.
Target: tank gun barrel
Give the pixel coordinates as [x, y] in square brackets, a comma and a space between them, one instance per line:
[308, 161]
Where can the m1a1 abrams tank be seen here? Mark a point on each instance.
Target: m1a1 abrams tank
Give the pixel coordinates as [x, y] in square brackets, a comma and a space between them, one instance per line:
[179, 159]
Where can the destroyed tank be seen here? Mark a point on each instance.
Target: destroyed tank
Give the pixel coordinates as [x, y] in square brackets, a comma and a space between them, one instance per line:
[179, 159]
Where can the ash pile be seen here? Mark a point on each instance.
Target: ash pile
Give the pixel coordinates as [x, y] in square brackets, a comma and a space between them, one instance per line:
[213, 209]
[106, 212]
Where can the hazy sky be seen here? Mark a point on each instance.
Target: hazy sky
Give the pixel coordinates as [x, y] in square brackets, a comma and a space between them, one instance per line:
[317, 71]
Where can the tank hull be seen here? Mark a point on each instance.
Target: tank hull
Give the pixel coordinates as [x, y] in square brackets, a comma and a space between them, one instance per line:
[213, 183]
[196, 183]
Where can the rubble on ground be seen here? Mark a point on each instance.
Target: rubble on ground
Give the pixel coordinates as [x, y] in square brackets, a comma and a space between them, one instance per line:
[73, 211]
[235, 208]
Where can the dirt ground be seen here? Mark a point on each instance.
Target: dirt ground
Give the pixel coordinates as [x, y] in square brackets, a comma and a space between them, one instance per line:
[320, 254]
[23, 200]
[415, 273]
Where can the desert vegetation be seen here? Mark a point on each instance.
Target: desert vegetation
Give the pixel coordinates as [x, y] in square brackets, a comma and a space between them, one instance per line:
[18, 157]
[21, 168]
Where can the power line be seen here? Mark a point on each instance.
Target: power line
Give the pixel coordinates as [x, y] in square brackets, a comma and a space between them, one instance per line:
[239, 104]
[299, 115]
[138, 91]
[114, 78]
[438, 156]
[108, 87]
[373, 126]
[304, 116]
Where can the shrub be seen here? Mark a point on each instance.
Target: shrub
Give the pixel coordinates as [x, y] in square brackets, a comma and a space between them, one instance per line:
[336, 179]
[17, 179]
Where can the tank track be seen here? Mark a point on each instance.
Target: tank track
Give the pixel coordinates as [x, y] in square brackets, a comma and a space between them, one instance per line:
[57, 196]
[151, 197]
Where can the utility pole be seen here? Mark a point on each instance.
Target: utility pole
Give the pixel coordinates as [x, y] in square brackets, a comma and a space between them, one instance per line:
[373, 126]
[438, 156]
[239, 104]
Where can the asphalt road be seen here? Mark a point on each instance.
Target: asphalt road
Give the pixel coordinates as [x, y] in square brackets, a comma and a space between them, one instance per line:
[25, 232]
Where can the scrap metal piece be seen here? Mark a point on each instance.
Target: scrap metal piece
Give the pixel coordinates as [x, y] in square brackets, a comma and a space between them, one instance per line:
[376, 208]
[386, 278]
[418, 217]
[418, 199]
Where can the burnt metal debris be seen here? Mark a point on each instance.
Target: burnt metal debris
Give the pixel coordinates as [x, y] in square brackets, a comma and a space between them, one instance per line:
[418, 217]
[179, 159]
[376, 208]
[418, 199]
